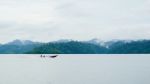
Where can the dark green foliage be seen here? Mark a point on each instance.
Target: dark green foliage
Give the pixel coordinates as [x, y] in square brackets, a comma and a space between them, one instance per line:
[134, 47]
[119, 47]
[72, 47]
[16, 49]
[75, 47]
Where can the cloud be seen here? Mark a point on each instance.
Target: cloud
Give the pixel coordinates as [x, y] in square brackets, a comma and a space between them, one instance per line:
[47, 20]
[6, 24]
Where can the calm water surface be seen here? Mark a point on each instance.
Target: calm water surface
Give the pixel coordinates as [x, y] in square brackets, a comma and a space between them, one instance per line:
[75, 69]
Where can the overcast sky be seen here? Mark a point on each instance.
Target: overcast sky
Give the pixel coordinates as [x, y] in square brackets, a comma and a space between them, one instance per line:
[48, 20]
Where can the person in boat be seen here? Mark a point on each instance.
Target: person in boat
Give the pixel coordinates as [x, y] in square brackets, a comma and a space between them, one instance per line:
[42, 56]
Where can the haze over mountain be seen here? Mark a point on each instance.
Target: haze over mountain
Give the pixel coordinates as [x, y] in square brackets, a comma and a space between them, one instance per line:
[21, 42]
[107, 43]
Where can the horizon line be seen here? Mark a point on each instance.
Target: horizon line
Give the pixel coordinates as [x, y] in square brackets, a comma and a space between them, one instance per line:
[74, 40]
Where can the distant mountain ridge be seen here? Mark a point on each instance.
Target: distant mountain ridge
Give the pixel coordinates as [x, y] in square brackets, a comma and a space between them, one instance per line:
[93, 46]
[96, 47]
[21, 42]
[18, 46]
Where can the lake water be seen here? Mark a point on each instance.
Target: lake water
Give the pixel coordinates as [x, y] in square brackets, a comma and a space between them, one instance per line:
[75, 69]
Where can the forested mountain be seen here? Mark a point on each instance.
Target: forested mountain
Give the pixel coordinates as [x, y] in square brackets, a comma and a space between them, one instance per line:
[18, 47]
[72, 47]
[111, 47]
[133, 47]
[77, 47]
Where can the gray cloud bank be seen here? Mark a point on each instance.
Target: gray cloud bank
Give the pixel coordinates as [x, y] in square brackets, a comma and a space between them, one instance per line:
[47, 20]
